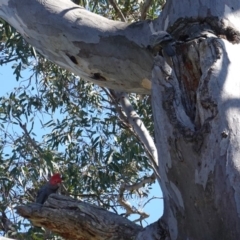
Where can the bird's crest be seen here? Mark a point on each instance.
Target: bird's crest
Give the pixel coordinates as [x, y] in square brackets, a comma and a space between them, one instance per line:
[55, 178]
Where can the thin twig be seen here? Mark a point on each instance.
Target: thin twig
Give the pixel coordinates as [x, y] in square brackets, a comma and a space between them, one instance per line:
[95, 4]
[152, 198]
[141, 131]
[127, 206]
[8, 61]
[31, 141]
[146, 5]
[6, 225]
[118, 10]
[140, 184]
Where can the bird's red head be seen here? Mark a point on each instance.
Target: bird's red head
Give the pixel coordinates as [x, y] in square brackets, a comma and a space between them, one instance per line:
[55, 179]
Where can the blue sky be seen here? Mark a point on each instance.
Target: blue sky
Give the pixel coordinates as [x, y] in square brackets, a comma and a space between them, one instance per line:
[154, 207]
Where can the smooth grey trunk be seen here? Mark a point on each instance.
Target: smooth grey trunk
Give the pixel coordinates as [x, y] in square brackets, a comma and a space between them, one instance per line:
[197, 115]
[196, 100]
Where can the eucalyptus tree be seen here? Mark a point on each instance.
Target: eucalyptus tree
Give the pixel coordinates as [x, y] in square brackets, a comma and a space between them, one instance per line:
[184, 60]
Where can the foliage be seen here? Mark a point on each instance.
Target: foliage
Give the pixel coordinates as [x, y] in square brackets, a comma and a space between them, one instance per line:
[82, 135]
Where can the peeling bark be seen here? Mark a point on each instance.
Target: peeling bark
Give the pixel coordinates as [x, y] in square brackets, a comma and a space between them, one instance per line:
[73, 219]
[197, 115]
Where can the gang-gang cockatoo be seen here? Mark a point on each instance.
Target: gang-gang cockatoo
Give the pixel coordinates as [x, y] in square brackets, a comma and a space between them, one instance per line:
[50, 187]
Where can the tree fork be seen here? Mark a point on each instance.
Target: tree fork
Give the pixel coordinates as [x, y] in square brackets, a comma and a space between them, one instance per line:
[194, 137]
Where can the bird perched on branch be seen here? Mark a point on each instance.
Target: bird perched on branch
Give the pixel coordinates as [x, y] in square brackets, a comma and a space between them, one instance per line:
[50, 187]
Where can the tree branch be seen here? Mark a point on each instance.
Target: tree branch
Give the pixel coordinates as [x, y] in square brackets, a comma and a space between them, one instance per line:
[10, 229]
[140, 184]
[31, 141]
[89, 45]
[130, 209]
[145, 8]
[117, 10]
[140, 129]
[74, 219]
[6, 225]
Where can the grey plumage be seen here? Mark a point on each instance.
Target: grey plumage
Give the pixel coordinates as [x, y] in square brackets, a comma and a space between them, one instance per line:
[50, 187]
[45, 191]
